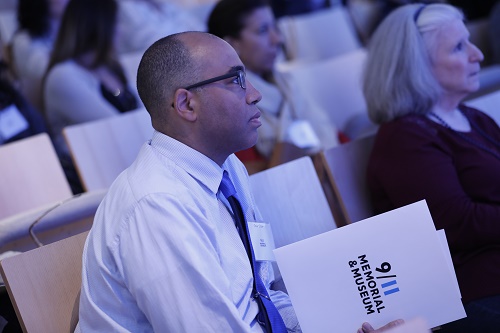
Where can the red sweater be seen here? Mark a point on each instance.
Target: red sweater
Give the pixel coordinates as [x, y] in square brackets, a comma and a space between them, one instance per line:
[414, 158]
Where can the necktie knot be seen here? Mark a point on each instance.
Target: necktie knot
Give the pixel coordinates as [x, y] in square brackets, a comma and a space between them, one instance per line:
[226, 186]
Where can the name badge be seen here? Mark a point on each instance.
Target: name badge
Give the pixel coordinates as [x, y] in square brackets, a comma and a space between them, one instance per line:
[12, 122]
[262, 241]
[302, 134]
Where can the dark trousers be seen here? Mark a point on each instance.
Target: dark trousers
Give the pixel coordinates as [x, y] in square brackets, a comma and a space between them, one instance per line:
[483, 316]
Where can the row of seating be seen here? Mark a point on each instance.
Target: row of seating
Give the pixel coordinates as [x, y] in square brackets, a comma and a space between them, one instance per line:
[102, 149]
[44, 283]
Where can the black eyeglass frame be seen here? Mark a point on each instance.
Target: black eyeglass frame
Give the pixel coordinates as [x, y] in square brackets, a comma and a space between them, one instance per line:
[240, 74]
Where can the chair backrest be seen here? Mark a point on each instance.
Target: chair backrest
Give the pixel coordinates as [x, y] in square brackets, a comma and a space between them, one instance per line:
[44, 284]
[291, 199]
[346, 168]
[30, 175]
[334, 85]
[49, 223]
[103, 148]
[489, 104]
[319, 35]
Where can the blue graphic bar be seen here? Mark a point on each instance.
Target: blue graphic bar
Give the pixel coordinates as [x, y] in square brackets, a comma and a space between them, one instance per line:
[391, 291]
[387, 284]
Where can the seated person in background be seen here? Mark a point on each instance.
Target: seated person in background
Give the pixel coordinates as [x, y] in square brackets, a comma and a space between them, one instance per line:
[85, 81]
[142, 22]
[420, 66]
[249, 27]
[31, 45]
[18, 119]
[163, 254]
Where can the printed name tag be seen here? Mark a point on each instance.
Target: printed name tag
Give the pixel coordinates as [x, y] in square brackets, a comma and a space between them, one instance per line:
[12, 122]
[262, 241]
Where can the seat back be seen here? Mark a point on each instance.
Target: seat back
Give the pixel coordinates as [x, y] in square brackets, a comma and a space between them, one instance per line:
[44, 284]
[30, 175]
[346, 168]
[49, 223]
[489, 104]
[334, 85]
[291, 199]
[103, 148]
[319, 35]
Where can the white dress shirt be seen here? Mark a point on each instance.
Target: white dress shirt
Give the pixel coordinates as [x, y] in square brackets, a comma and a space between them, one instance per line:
[164, 255]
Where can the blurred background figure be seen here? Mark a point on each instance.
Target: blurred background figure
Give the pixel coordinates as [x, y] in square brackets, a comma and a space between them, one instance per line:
[18, 118]
[249, 26]
[84, 80]
[142, 22]
[421, 65]
[38, 22]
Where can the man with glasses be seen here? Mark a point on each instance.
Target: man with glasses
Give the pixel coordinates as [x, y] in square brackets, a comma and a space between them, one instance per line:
[164, 254]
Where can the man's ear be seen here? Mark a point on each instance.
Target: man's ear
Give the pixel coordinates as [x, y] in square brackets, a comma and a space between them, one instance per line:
[185, 104]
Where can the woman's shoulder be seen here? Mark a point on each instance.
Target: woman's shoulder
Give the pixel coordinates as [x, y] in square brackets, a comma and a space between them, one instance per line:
[407, 131]
[65, 66]
[411, 123]
[479, 118]
[68, 71]
[472, 112]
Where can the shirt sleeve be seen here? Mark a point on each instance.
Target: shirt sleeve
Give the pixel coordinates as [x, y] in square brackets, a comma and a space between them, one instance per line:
[177, 289]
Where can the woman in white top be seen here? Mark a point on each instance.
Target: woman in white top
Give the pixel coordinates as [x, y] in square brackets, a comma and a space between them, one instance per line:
[249, 26]
[85, 81]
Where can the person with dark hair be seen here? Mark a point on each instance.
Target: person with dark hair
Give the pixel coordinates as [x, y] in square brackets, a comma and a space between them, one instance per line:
[31, 45]
[249, 26]
[420, 66]
[169, 249]
[84, 80]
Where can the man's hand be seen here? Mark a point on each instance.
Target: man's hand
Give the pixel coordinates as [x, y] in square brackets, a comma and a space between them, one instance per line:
[367, 328]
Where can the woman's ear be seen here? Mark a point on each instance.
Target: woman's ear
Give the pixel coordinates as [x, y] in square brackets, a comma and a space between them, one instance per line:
[185, 104]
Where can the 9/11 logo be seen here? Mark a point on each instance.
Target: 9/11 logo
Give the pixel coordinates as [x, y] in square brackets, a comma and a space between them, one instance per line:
[384, 268]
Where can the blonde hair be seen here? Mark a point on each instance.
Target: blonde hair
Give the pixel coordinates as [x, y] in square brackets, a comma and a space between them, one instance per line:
[398, 77]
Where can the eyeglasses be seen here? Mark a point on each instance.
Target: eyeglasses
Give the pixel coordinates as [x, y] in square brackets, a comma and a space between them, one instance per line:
[239, 74]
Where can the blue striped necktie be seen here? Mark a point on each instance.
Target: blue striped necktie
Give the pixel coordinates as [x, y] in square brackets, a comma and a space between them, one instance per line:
[268, 316]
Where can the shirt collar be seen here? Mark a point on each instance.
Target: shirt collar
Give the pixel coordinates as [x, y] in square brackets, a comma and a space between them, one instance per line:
[199, 166]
